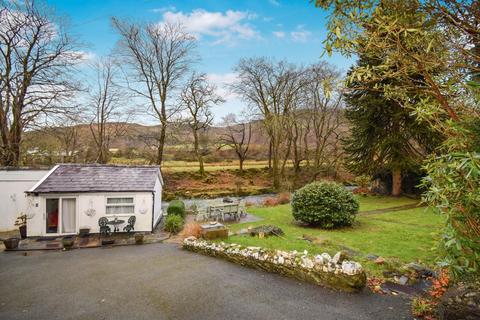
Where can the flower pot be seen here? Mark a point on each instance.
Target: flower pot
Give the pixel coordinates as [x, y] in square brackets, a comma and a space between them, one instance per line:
[68, 242]
[23, 231]
[139, 238]
[84, 232]
[11, 243]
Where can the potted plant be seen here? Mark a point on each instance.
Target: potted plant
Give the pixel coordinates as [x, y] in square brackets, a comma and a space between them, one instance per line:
[11, 243]
[68, 241]
[21, 223]
[139, 238]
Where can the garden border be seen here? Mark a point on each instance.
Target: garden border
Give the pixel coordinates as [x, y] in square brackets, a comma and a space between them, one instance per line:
[323, 270]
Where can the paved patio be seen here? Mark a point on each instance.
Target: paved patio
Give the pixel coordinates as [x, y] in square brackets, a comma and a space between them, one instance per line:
[161, 281]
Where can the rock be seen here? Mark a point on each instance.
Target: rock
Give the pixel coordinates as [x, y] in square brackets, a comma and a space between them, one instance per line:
[351, 267]
[326, 257]
[339, 257]
[460, 302]
[320, 260]
[403, 280]
[372, 257]
[266, 230]
[420, 269]
[379, 260]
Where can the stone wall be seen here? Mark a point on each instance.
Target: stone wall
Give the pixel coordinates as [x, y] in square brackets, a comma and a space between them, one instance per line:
[322, 270]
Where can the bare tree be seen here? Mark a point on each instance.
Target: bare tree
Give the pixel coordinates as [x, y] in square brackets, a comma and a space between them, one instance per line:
[237, 136]
[197, 98]
[271, 88]
[158, 56]
[68, 136]
[37, 58]
[324, 102]
[107, 105]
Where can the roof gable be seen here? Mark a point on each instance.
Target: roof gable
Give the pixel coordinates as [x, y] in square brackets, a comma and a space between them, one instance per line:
[70, 178]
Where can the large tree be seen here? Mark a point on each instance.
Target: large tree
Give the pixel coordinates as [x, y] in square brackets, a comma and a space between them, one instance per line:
[384, 135]
[37, 58]
[271, 89]
[157, 57]
[422, 38]
[106, 104]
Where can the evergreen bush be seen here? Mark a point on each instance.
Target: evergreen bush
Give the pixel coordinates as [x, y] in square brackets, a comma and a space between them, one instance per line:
[324, 204]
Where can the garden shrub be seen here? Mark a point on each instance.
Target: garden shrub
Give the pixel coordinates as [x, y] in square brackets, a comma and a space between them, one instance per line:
[324, 204]
[176, 207]
[173, 223]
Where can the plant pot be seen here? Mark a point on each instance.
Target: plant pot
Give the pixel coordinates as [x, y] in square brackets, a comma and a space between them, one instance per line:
[11, 243]
[106, 242]
[68, 242]
[23, 231]
[139, 238]
[84, 232]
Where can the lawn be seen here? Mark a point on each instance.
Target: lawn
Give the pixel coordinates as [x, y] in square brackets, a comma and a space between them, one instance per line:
[400, 236]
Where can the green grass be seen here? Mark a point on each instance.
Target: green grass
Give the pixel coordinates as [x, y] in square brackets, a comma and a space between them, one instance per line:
[400, 236]
[180, 166]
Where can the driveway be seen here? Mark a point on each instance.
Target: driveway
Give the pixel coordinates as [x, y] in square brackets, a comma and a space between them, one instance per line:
[161, 281]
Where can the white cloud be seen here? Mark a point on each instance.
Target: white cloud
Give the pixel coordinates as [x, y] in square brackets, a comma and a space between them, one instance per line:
[300, 34]
[279, 34]
[225, 27]
[274, 3]
[87, 56]
[222, 81]
[163, 9]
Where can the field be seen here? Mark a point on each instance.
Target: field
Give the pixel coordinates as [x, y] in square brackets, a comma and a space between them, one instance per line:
[399, 236]
[189, 166]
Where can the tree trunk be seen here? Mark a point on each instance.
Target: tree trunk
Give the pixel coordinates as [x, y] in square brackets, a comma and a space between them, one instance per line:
[396, 182]
[241, 164]
[197, 153]
[270, 155]
[161, 143]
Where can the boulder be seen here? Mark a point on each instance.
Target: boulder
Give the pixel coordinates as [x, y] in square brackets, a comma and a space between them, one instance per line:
[460, 302]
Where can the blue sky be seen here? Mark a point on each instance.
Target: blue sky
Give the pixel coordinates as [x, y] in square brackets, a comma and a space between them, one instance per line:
[226, 31]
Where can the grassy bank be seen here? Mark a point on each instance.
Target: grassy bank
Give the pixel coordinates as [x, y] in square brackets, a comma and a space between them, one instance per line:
[400, 236]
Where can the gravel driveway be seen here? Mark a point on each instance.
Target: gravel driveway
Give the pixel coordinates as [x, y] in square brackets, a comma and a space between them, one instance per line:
[161, 281]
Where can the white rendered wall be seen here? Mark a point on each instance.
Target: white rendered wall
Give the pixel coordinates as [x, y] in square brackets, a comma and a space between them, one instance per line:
[13, 200]
[158, 202]
[96, 201]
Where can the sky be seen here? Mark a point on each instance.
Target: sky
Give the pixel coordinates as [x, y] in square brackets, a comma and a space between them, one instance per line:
[226, 31]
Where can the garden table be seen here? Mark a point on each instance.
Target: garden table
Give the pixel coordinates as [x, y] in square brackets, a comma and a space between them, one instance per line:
[115, 224]
[232, 209]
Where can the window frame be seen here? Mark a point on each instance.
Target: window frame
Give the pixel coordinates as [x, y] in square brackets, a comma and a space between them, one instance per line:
[132, 204]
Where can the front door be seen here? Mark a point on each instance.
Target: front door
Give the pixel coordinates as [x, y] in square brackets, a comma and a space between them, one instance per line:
[61, 215]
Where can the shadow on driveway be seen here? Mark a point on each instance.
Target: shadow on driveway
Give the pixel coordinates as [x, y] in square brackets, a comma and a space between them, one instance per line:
[161, 281]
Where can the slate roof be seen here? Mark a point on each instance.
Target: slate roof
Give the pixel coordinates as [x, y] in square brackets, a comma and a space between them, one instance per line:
[69, 178]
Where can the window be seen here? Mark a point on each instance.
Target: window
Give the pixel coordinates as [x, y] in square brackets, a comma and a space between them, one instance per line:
[120, 205]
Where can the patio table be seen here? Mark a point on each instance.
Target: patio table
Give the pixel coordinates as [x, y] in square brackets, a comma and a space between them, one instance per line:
[115, 224]
[220, 210]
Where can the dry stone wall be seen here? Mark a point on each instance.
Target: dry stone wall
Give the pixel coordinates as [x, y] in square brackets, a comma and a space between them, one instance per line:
[323, 270]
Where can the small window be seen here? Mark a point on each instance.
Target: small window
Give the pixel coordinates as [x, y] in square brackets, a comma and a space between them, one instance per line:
[120, 205]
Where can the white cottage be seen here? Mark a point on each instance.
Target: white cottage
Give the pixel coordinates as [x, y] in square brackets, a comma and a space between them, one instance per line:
[74, 196]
